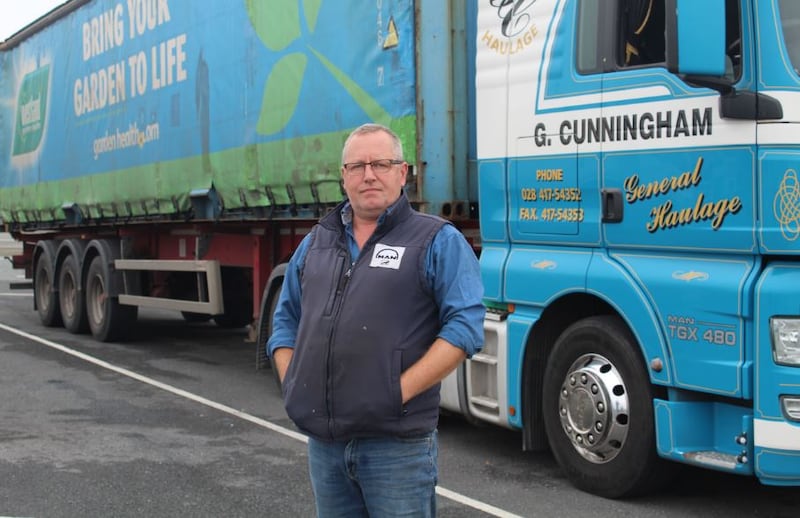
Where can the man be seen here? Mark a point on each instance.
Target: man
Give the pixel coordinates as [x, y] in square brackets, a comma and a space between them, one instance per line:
[379, 304]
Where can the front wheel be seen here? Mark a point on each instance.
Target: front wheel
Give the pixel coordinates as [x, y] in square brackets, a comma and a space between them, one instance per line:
[598, 410]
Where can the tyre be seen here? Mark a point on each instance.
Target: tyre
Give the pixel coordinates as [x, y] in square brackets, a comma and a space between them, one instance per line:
[598, 410]
[268, 305]
[263, 329]
[45, 293]
[71, 297]
[108, 319]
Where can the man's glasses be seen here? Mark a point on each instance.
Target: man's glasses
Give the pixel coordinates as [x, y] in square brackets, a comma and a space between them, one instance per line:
[381, 166]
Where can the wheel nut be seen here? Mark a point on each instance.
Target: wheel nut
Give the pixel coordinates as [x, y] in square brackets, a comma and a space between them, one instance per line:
[601, 407]
[584, 379]
[595, 389]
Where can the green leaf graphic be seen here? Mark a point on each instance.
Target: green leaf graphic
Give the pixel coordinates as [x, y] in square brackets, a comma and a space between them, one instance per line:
[360, 96]
[311, 9]
[281, 93]
[277, 22]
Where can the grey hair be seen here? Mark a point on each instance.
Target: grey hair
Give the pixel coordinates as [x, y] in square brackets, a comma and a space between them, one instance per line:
[371, 127]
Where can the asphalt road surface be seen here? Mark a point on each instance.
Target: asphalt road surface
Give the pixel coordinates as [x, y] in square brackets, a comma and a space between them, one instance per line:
[176, 421]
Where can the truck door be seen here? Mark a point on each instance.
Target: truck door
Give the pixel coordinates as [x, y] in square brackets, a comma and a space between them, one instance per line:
[683, 174]
[553, 173]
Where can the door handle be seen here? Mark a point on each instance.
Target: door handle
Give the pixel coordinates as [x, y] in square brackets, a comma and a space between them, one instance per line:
[612, 205]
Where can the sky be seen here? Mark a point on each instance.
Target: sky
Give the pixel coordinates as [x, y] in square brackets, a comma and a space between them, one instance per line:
[19, 13]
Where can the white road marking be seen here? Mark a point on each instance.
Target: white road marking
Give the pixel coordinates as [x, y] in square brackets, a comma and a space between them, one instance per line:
[445, 493]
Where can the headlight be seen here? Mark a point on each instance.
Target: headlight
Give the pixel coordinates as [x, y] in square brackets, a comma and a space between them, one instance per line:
[791, 407]
[786, 341]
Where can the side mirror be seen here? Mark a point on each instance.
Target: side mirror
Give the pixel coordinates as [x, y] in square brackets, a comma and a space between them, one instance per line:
[695, 34]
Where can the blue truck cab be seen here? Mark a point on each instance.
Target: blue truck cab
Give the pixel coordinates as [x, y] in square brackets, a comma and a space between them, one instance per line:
[639, 215]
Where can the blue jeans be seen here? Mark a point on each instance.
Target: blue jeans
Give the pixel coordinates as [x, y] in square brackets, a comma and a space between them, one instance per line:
[376, 477]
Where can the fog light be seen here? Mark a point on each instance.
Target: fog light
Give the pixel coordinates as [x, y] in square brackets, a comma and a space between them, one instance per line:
[786, 341]
[791, 407]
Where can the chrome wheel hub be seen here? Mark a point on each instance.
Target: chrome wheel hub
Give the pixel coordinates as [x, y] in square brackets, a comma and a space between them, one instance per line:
[594, 408]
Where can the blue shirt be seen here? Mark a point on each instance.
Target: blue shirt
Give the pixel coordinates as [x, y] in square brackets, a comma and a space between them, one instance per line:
[451, 270]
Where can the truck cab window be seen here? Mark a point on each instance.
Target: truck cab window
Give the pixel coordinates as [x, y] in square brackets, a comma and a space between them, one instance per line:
[642, 32]
[589, 23]
[733, 40]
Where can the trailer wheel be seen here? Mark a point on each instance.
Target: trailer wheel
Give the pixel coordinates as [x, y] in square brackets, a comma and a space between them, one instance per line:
[268, 305]
[598, 410]
[45, 293]
[71, 298]
[265, 312]
[108, 319]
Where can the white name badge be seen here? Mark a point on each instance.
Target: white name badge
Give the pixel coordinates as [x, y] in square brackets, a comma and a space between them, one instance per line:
[387, 256]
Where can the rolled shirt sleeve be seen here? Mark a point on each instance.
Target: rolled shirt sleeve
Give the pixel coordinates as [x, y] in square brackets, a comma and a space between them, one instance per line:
[454, 274]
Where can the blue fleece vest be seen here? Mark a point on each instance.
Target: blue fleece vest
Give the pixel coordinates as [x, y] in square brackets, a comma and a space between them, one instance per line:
[362, 325]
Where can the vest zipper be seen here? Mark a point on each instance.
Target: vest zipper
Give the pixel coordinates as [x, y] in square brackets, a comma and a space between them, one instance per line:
[338, 300]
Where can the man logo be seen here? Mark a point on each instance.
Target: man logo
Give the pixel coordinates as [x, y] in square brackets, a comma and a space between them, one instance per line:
[386, 256]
